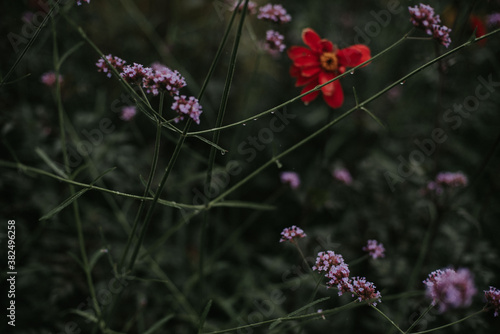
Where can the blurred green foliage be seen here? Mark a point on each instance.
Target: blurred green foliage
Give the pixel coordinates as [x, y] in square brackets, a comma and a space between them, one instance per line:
[249, 276]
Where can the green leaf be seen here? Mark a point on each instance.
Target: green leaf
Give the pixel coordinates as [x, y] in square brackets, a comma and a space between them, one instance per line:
[95, 257]
[204, 315]
[85, 315]
[64, 204]
[158, 324]
[50, 163]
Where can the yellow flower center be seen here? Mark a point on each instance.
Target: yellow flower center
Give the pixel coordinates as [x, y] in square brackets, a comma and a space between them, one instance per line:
[329, 61]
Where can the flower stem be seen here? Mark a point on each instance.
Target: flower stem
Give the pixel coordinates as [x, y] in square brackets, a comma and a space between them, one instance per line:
[451, 324]
[158, 192]
[215, 139]
[387, 318]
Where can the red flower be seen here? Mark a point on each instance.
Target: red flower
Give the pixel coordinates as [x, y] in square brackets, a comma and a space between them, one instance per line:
[322, 62]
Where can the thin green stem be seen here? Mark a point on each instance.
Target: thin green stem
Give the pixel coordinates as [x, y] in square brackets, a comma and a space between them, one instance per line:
[427, 310]
[215, 139]
[163, 181]
[152, 172]
[78, 223]
[388, 319]
[314, 315]
[345, 114]
[451, 324]
[318, 87]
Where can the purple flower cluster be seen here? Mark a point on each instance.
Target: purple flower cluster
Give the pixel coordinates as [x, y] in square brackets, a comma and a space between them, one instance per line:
[187, 106]
[493, 298]
[292, 233]
[128, 113]
[274, 42]
[49, 79]
[154, 80]
[274, 13]
[337, 271]
[450, 289]
[116, 62]
[375, 249]
[423, 17]
[290, 178]
[342, 175]
[446, 180]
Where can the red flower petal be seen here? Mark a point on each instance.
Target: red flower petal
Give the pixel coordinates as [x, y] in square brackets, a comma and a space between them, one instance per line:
[337, 98]
[324, 77]
[310, 71]
[303, 80]
[298, 51]
[306, 61]
[353, 55]
[311, 39]
[308, 98]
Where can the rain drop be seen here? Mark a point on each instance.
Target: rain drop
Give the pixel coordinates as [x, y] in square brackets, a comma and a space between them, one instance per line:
[352, 72]
[255, 119]
[244, 124]
[402, 83]
[272, 112]
[222, 152]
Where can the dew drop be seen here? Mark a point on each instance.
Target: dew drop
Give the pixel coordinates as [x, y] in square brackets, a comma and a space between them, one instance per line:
[255, 119]
[352, 72]
[402, 83]
[222, 152]
[272, 112]
[244, 124]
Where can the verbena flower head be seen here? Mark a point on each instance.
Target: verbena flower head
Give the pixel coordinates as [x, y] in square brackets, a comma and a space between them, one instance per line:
[327, 259]
[79, 2]
[364, 290]
[450, 289]
[339, 277]
[128, 113]
[162, 78]
[274, 42]
[441, 34]
[251, 7]
[49, 79]
[116, 62]
[136, 73]
[274, 13]
[187, 107]
[375, 249]
[493, 299]
[423, 17]
[292, 233]
[342, 175]
[320, 62]
[451, 179]
[290, 178]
